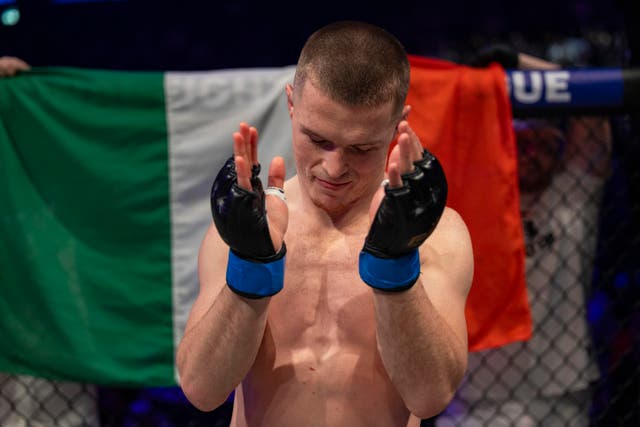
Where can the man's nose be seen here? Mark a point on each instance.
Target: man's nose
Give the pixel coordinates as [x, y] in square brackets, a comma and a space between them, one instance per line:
[335, 163]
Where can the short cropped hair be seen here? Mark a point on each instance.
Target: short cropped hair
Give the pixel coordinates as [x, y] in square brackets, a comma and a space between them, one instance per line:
[355, 63]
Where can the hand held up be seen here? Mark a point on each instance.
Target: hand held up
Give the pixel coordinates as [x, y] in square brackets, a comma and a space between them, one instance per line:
[240, 215]
[405, 218]
[255, 268]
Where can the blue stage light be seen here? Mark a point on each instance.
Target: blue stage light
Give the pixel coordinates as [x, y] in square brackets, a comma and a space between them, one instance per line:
[10, 16]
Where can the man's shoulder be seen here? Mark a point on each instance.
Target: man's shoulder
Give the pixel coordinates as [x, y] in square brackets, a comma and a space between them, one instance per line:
[451, 220]
[292, 186]
[451, 235]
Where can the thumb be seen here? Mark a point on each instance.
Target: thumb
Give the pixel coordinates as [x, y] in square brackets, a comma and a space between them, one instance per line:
[276, 205]
[277, 172]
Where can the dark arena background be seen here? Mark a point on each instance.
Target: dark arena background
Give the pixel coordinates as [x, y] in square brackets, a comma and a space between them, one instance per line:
[199, 35]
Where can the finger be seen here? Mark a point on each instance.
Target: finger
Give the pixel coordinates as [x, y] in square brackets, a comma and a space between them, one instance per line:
[277, 172]
[405, 161]
[243, 169]
[245, 133]
[238, 145]
[9, 66]
[415, 144]
[14, 61]
[276, 205]
[414, 141]
[253, 141]
[394, 157]
[22, 66]
[395, 180]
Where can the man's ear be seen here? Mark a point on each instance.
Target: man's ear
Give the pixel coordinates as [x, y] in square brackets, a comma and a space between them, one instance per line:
[289, 90]
[405, 112]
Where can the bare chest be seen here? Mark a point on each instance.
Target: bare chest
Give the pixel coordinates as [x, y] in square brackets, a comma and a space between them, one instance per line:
[319, 349]
[324, 306]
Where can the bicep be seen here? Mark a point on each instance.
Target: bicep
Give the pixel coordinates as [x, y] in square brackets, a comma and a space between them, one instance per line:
[447, 270]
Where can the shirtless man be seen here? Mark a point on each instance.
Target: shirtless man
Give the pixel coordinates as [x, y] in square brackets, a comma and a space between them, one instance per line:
[362, 322]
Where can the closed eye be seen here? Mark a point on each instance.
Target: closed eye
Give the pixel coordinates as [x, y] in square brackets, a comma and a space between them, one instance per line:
[362, 149]
[322, 143]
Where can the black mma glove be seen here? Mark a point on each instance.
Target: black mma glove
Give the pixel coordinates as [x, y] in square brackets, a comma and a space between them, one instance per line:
[254, 269]
[405, 218]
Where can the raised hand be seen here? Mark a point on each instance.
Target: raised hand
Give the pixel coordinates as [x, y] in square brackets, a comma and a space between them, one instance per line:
[401, 161]
[403, 215]
[10, 66]
[405, 153]
[245, 150]
[250, 221]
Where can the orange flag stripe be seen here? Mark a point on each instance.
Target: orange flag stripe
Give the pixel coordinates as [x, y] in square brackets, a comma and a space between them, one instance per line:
[463, 116]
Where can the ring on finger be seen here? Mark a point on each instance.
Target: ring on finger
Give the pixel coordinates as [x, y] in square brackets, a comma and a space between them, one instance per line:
[276, 191]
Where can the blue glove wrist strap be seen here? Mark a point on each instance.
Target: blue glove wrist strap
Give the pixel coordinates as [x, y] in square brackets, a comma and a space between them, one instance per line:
[390, 274]
[252, 279]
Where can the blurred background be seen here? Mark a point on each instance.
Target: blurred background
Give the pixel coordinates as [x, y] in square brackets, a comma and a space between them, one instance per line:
[199, 35]
[207, 35]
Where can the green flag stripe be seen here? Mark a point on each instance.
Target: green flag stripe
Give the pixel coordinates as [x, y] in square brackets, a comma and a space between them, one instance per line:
[85, 226]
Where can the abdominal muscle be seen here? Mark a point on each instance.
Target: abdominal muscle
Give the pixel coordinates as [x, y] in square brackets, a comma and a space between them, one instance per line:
[318, 364]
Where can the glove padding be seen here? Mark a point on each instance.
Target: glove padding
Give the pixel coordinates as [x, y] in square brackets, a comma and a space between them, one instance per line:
[408, 215]
[240, 215]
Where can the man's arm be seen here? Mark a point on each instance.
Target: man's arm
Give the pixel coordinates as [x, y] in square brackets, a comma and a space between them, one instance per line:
[422, 332]
[528, 62]
[240, 265]
[508, 57]
[421, 327]
[223, 332]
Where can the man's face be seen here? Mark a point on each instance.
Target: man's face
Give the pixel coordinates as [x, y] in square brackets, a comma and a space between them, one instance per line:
[538, 157]
[340, 151]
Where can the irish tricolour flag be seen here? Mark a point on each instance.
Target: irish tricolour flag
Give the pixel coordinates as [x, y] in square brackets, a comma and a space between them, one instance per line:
[104, 199]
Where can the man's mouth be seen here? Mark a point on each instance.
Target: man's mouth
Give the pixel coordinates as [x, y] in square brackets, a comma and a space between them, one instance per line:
[334, 186]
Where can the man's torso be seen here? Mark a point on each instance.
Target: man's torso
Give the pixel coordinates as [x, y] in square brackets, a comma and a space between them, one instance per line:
[318, 363]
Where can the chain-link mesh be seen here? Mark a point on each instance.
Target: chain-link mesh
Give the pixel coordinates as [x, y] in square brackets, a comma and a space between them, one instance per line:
[29, 401]
[580, 367]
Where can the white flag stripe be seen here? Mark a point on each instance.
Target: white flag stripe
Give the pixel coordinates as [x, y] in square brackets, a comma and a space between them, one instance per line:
[203, 110]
